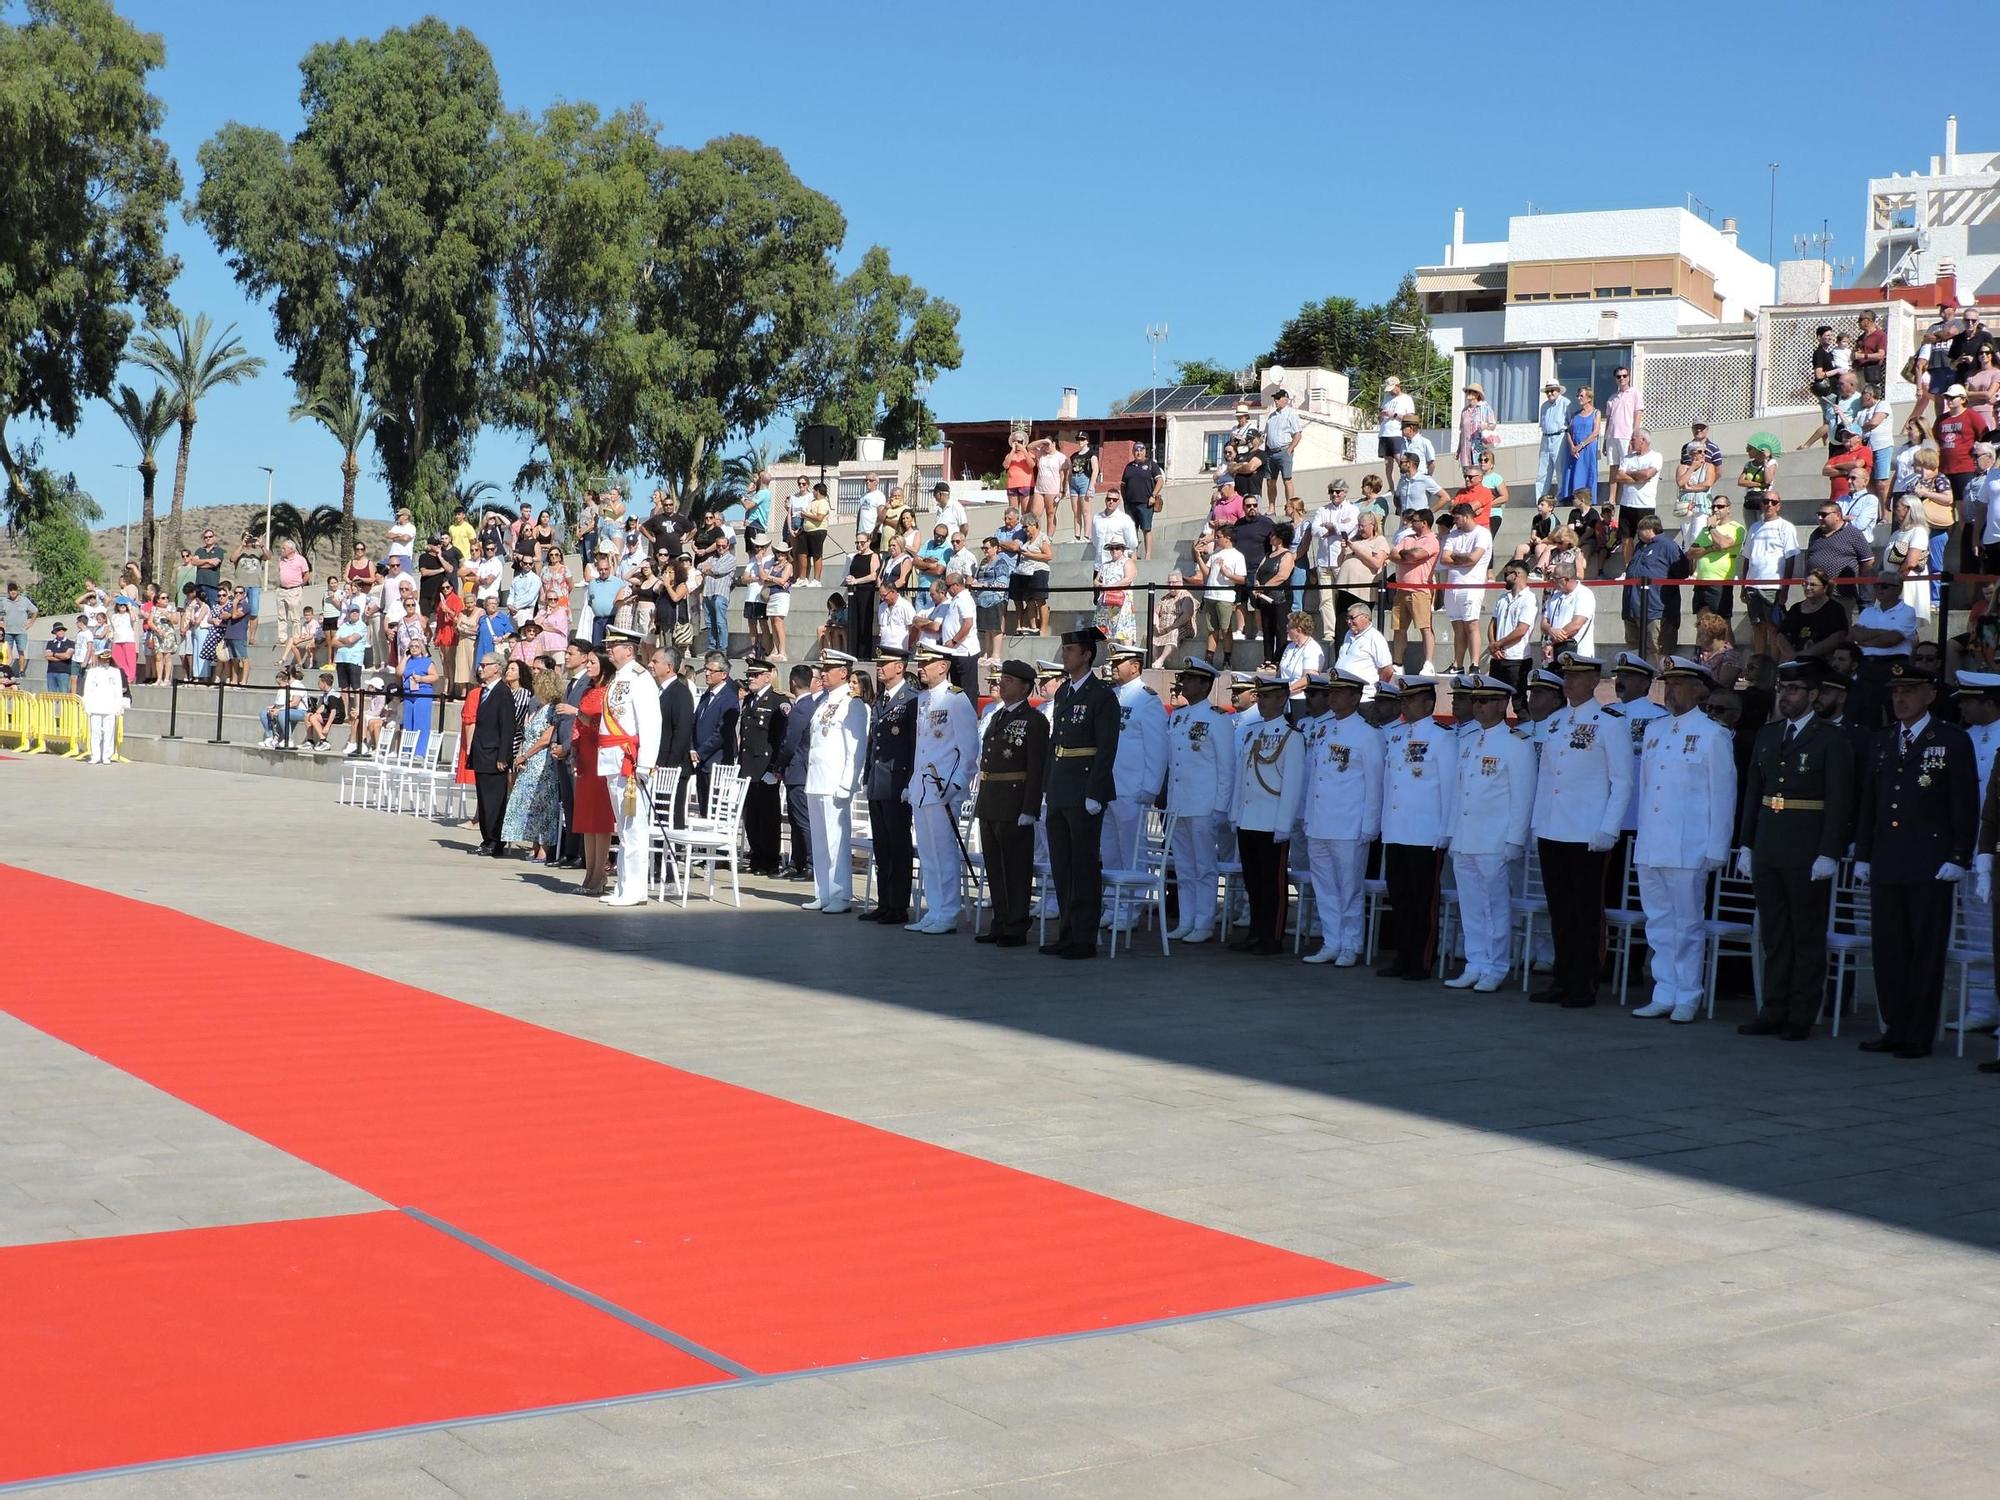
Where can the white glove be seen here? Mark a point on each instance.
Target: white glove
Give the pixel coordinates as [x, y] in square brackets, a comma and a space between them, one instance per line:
[1441, 845]
[1709, 866]
[1983, 886]
[1092, 806]
[1026, 820]
[1861, 872]
[1283, 836]
[1516, 851]
[909, 794]
[1601, 842]
[1743, 865]
[770, 778]
[1824, 868]
[1950, 872]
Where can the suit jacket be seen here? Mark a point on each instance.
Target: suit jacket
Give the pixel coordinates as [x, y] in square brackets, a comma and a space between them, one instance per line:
[676, 723]
[760, 727]
[715, 715]
[1083, 744]
[573, 696]
[790, 761]
[892, 745]
[1013, 756]
[1918, 810]
[1818, 766]
[493, 731]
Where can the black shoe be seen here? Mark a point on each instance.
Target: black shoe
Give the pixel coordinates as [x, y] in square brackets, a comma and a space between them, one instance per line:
[1053, 950]
[1578, 1002]
[892, 918]
[1760, 1027]
[1415, 974]
[1079, 953]
[1550, 996]
[986, 937]
[1878, 1044]
[483, 849]
[1990, 1067]
[1267, 949]
[1242, 945]
[1796, 1033]
[1010, 942]
[1913, 1051]
[1389, 971]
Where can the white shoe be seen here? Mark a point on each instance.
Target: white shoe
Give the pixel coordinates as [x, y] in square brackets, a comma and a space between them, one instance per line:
[834, 911]
[269, 742]
[1488, 983]
[812, 905]
[1428, 669]
[1466, 980]
[1200, 935]
[1657, 1008]
[623, 900]
[1104, 921]
[940, 927]
[918, 925]
[1324, 956]
[1347, 960]
[1685, 1012]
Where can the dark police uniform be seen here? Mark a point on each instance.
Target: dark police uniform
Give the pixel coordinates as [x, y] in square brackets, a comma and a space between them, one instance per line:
[1013, 758]
[891, 761]
[1919, 811]
[1798, 806]
[760, 731]
[1083, 751]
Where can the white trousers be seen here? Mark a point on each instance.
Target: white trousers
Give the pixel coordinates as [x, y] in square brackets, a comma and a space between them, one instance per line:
[635, 840]
[1195, 869]
[937, 860]
[1339, 869]
[832, 822]
[103, 738]
[1671, 898]
[1485, 909]
[1118, 840]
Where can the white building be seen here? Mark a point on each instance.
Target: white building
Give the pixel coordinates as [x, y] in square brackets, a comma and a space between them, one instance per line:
[1572, 297]
[1936, 225]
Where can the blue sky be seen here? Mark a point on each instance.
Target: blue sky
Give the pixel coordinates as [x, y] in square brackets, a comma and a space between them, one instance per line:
[1069, 173]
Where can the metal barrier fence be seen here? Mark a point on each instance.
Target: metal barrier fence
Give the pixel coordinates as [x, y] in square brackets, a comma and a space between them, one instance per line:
[299, 695]
[33, 723]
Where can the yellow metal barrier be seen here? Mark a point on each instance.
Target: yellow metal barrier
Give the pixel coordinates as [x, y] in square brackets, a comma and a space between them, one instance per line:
[21, 717]
[28, 721]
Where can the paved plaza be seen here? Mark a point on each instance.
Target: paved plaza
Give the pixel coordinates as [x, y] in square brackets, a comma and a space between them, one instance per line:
[1640, 1260]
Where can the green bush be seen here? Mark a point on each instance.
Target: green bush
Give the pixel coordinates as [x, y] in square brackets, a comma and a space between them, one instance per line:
[65, 563]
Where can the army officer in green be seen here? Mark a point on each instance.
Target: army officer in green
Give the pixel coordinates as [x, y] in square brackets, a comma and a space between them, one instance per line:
[1013, 757]
[1076, 785]
[1797, 821]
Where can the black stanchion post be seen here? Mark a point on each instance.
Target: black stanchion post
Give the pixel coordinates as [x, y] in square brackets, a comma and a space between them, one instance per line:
[173, 705]
[1149, 625]
[1943, 613]
[221, 692]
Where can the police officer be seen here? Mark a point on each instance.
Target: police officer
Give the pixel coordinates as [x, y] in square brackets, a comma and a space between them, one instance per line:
[1797, 820]
[892, 758]
[760, 729]
[1419, 776]
[1687, 811]
[1581, 794]
[1076, 786]
[1342, 815]
[1141, 768]
[1013, 754]
[947, 755]
[1269, 781]
[1201, 782]
[1913, 842]
[1493, 800]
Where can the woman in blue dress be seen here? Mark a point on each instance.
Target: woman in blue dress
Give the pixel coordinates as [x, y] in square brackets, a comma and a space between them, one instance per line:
[1580, 462]
[420, 679]
[534, 807]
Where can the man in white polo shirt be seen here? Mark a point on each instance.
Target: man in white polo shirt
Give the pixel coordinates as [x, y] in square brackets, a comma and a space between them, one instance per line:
[1638, 476]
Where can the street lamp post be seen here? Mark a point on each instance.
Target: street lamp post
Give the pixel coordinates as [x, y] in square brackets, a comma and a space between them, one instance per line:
[133, 470]
[264, 578]
[1156, 335]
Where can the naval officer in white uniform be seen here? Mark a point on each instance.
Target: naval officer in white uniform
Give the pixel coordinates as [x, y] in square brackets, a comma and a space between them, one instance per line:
[1492, 802]
[1342, 814]
[836, 757]
[947, 756]
[1201, 784]
[628, 747]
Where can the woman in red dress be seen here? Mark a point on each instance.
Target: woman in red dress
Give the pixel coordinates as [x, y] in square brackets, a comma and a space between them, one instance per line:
[590, 808]
[468, 711]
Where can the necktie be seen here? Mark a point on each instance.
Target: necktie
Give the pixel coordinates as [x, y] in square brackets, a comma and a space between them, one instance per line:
[1907, 742]
[1791, 733]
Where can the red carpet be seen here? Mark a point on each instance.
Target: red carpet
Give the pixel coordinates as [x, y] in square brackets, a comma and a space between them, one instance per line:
[777, 1236]
[133, 1350]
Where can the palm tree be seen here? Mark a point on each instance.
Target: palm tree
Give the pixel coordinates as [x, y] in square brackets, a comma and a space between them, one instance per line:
[309, 528]
[190, 367]
[350, 416]
[148, 419]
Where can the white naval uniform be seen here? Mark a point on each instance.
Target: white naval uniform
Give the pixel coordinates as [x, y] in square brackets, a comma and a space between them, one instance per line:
[1275, 748]
[104, 701]
[947, 756]
[1981, 1003]
[1341, 815]
[836, 755]
[1687, 807]
[1493, 801]
[1419, 781]
[1139, 771]
[631, 707]
[1585, 786]
[1201, 789]
[1636, 716]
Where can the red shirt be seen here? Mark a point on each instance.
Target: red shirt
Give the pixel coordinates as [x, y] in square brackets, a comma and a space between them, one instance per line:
[1955, 437]
[1480, 498]
[1849, 465]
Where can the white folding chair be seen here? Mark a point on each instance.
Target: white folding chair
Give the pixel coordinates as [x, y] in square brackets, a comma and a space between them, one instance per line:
[390, 760]
[1374, 901]
[1625, 923]
[663, 788]
[411, 776]
[1731, 925]
[712, 839]
[360, 774]
[861, 844]
[1970, 950]
[1531, 904]
[1450, 923]
[1850, 939]
[1141, 891]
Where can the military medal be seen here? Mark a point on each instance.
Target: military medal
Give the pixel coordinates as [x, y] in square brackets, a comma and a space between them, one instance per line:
[1923, 780]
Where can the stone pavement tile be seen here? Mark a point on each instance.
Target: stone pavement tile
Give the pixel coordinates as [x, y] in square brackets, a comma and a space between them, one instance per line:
[1881, 1445]
[992, 1456]
[1306, 1456]
[1462, 1474]
[1953, 1479]
[1718, 1479]
[1567, 1463]
[1205, 1472]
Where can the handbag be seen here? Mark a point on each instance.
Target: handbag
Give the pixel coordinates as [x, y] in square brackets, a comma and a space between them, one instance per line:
[1910, 369]
[1938, 514]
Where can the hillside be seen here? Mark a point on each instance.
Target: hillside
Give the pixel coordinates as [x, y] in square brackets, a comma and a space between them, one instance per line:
[228, 521]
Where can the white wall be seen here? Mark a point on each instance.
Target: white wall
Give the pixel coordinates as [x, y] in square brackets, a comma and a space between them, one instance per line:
[1577, 322]
[1451, 332]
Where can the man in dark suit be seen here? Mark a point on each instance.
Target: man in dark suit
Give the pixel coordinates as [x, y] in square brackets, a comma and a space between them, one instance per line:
[676, 723]
[570, 855]
[1013, 757]
[760, 727]
[889, 762]
[1076, 786]
[790, 764]
[1913, 842]
[490, 756]
[715, 715]
[1796, 821]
